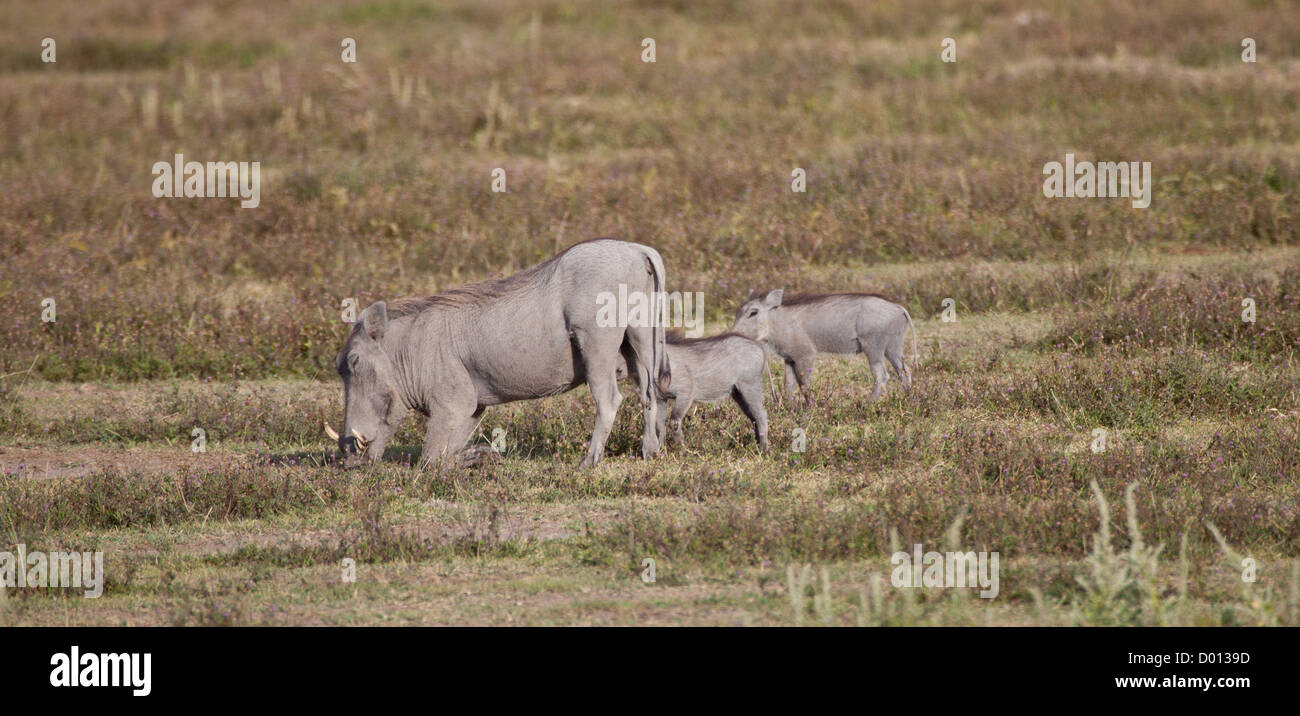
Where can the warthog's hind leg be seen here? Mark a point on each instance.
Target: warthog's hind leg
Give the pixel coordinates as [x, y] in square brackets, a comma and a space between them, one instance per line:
[900, 367]
[879, 376]
[875, 354]
[601, 368]
[894, 354]
[640, 342]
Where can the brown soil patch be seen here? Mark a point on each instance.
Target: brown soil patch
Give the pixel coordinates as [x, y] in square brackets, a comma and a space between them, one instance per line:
[42, 463]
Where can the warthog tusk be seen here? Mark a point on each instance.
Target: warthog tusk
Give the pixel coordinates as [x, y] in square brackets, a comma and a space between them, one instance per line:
[360, 440]
[330, 432]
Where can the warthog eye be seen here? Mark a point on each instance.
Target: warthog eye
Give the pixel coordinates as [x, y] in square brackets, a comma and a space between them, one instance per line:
[753, 312]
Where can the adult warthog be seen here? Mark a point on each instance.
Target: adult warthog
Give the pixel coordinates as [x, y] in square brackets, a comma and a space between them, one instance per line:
[535, 334]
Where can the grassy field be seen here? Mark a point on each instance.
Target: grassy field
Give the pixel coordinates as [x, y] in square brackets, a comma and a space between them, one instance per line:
[924, 182]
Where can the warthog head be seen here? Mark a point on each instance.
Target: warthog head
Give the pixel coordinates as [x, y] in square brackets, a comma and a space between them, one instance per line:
[753, 318]
[373, 409]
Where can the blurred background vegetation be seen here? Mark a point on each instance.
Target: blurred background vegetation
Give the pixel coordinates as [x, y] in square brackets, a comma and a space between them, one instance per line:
[376, 175]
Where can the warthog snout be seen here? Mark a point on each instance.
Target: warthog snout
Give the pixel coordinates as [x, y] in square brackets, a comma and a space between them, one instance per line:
[352, 449]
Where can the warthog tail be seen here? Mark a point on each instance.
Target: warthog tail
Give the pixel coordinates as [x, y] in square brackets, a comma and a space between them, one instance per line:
[662, 371]
[916, 355]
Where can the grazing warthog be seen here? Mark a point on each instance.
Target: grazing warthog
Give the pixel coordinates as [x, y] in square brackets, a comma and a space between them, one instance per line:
[530, 335]
[800, 326]
[711, 369]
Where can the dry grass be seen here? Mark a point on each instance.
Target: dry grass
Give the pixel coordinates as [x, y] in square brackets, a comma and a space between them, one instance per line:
[923, 183]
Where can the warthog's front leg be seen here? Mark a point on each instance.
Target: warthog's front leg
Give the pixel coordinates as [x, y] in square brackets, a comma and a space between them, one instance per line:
[798, 371]
[448, 430]
[803, 370]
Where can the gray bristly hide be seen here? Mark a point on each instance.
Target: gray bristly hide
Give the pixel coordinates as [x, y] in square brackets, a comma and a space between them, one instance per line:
[530, 335]
[800, 326]
[709, 370]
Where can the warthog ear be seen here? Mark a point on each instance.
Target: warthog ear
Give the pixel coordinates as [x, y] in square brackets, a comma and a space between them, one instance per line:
[752, 294]
[374, 320]
[773, 299]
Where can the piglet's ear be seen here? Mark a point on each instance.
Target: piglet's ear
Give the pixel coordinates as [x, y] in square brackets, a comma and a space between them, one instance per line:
[773, 299]
[374, 320]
